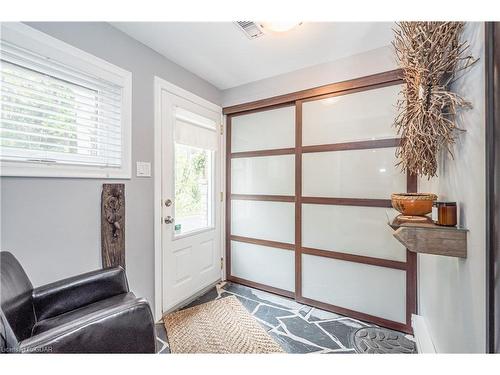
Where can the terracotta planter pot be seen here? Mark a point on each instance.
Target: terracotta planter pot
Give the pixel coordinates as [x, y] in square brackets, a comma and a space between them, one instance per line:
[413, 204]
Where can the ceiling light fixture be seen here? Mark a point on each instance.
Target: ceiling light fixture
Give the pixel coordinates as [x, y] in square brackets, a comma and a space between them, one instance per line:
[279, 26]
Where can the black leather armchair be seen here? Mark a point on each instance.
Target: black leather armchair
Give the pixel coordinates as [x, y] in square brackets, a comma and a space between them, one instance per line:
[89, 313]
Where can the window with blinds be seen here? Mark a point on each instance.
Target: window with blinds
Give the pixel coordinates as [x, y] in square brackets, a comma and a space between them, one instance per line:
[55, 114]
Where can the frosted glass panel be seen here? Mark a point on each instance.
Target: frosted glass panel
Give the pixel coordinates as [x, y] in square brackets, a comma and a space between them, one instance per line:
[263, 130]
[274, 175]
[352, 174]
[338, 228]
[359, 116]
[369, 289]
[262, 264]
[273, 221]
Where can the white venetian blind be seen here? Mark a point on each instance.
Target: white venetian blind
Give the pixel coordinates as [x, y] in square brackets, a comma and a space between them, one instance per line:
[53, 113]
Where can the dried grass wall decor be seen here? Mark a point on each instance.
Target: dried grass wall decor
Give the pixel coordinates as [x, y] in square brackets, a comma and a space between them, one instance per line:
[430, 55]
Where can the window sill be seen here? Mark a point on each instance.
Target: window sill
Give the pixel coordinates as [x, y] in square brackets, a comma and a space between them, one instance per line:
[9, 169]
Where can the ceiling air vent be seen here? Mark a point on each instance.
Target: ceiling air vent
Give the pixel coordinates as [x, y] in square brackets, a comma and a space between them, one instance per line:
[251, 29]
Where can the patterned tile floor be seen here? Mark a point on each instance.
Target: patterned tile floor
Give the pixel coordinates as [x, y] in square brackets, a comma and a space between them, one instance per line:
[297, 328]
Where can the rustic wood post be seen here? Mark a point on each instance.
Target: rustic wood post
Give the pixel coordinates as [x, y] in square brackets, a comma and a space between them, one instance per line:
[113, 225]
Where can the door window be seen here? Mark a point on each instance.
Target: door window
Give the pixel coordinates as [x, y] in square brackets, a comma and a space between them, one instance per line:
[194, 147]
[193, 189]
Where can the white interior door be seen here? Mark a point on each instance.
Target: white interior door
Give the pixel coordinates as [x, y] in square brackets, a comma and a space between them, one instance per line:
[191, 237]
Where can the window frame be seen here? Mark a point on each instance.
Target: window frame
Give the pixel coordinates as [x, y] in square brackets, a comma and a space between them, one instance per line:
[50, 47]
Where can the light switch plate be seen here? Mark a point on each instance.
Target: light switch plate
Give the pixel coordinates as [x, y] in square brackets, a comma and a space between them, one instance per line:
[143, 169]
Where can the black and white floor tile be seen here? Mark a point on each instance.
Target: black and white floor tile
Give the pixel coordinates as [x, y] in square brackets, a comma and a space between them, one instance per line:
[297, 328]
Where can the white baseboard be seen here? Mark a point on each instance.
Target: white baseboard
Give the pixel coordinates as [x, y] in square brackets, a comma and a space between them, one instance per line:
[422, 335]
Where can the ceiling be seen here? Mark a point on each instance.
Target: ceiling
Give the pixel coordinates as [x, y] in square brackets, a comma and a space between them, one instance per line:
[221, 54]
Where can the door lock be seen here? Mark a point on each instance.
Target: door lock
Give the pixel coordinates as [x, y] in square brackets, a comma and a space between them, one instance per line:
[168, 202]
[169, 220]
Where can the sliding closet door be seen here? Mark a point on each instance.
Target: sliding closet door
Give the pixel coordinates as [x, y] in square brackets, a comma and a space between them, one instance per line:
[261, 182]
[309, 185]
[350, 262]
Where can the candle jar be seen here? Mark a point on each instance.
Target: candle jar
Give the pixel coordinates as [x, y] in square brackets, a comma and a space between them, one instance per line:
[445, 213]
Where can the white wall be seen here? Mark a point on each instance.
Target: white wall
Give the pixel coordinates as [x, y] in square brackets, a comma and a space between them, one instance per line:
[363, 64]
[53, 224]
[452, 291]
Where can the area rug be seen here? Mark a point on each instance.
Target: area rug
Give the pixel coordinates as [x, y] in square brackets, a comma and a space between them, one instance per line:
[222, 326]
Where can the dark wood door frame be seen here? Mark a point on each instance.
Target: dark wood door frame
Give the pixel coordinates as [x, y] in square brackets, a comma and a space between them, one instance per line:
[492, 81]
[296, 99]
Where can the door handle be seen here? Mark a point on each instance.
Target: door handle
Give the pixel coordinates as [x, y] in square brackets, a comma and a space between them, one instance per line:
[169, 220]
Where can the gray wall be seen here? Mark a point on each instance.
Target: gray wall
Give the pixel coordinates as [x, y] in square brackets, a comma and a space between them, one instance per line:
[53, 224]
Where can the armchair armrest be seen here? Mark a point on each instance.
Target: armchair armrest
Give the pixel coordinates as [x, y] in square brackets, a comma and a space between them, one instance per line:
[124, 328]
[74, 292]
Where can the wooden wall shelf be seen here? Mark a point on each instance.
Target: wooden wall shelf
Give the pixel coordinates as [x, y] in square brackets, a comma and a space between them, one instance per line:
[432, 239]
